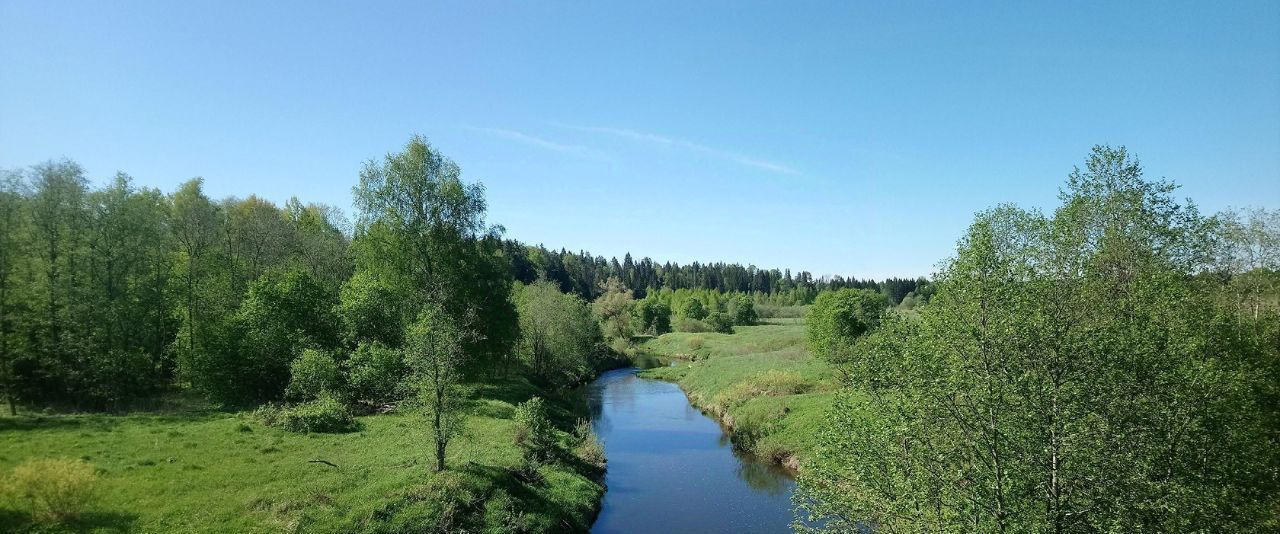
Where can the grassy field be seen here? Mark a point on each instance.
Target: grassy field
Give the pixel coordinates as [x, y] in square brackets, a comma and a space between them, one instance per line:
[759, 381]
[211, 471]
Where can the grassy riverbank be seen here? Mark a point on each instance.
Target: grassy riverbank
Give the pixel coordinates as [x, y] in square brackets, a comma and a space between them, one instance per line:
[760, 382]
[212, 471]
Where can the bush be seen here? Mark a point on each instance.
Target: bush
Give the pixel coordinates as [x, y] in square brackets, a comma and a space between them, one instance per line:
[720, 322]
[652, 316]
[589, 448]
[325, 414]
[377, 374]
[838, 318]
[743, 311]
[534, 431]
[685, 324]
[693, 309]
[56, 489]
[314, 373]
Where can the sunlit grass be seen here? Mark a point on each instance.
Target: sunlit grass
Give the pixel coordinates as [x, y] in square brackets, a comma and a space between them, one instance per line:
[223, 472]
[760, 381]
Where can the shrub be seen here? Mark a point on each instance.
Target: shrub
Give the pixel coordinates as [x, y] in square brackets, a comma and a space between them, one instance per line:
[838, 318]
[314, 373]
[589, 448]
[743, 311]
[504, 513]
[720, 322]
[693, 309]
[56, 489]
[325, 414]
[685, 324]
[533, 430]
[376, 373]
[652, 316]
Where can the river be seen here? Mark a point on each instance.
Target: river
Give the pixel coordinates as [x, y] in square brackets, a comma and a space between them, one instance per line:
[672, 469]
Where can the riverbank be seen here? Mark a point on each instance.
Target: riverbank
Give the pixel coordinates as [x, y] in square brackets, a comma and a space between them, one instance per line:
[760, 383]
[672, 470]
[202, 470]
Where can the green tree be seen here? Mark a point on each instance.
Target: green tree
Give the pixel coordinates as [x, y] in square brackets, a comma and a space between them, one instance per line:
[840, 317]
[534, 433]
[693, 309]
[652, 316]
[720, 322]
[376, 374]
[196, 223]
[559, 336]
[315, 373]
[613, 308]
[1069, 375]
[743, 310]
[421, 230]
[435, 354]
[247, 358]
[12, 252]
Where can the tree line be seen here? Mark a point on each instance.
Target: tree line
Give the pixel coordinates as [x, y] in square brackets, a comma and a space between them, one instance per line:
[113, 295]
[1108, 367]
[583, 274]
[103, 292]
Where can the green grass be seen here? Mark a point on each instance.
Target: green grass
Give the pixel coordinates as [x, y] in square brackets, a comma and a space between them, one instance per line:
[760, 381]
[208, 471]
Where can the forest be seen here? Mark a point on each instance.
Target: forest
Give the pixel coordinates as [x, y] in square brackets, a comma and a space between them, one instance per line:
[110, 296]
[1109, 366]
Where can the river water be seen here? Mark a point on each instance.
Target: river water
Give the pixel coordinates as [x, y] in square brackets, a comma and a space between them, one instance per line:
[672, 469]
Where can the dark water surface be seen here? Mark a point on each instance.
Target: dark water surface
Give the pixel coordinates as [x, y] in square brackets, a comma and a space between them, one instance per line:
[671, 469]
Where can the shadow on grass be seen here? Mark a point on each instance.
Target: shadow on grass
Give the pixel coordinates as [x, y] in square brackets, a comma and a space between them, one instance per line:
[102, 422]
[475, 497]
[16, 521]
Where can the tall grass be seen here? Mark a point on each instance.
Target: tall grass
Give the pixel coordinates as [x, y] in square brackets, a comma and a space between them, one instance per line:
[760, 382]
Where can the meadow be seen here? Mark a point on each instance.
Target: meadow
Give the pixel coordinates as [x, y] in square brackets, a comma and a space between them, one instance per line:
[760, 382]
[203, 470]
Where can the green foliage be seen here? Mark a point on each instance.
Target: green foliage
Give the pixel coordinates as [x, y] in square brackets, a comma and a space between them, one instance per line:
[839, 317]
[373, 310]
[581, 273]
[760, 382]
[314, 374]
[560, 337]
[435, 354]
[720, 322]
[1071, 374]
[693, 309]
[327, 414]
[652, 316]
[534, 431]
[264, 480]
[56, 490]
[613, 309]
[685, 324]
[376, 374]
[743, 311]
[246, 358]
[421, 232]
[588, 446]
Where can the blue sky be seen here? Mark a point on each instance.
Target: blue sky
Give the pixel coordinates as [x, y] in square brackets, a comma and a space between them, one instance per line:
[849, 138]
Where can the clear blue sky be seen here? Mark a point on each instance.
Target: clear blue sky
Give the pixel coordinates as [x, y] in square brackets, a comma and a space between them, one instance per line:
[832, 137]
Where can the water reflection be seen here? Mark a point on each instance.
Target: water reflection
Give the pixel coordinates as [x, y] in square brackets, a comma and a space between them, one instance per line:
[672, 469]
